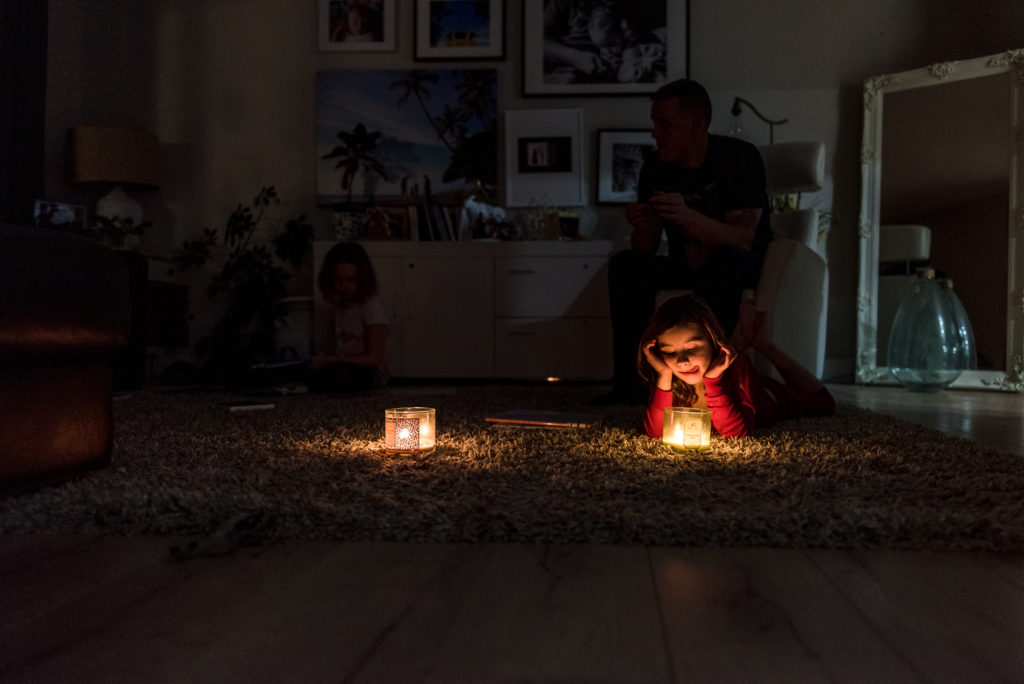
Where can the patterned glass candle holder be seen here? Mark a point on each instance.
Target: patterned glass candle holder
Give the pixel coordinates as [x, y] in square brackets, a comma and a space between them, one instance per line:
[687, 429]
[409, 430]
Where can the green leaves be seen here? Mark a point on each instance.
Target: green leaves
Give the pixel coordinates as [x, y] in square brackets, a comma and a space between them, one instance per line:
[252, 278]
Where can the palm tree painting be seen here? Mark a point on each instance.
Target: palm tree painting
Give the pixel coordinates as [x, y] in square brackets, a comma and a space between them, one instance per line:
[386, 134]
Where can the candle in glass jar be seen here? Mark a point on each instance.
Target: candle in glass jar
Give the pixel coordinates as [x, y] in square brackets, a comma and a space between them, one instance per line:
[409, 429]
[687, 429]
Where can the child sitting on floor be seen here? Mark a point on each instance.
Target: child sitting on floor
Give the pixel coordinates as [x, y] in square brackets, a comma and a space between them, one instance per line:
[685, 360]
[355, 357]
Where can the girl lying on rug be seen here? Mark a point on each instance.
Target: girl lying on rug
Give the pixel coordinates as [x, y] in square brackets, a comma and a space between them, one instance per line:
[684, 359]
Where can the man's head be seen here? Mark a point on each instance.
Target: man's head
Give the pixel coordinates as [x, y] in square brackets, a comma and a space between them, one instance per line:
[681, 114]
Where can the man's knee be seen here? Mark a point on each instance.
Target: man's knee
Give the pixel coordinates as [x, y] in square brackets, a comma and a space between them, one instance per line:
[629, 261]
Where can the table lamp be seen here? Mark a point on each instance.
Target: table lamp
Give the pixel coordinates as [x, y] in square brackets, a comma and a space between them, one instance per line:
[115, 157]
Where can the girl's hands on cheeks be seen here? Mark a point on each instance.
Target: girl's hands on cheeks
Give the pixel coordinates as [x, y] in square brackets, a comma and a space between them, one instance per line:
[655, 361]
[718, 365]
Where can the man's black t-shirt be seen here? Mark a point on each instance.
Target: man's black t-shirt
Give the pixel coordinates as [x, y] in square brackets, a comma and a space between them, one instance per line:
[731, 177]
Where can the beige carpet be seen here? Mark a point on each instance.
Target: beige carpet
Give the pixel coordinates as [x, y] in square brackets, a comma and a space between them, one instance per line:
[314, 467]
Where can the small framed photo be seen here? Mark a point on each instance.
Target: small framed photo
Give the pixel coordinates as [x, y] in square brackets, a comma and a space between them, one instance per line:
[60, 215]
[620, 154]
[544, 159]
[357, 25]
[612, 47]
[454, 30]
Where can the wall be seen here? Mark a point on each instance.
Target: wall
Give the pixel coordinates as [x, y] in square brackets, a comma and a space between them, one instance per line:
[228, 85]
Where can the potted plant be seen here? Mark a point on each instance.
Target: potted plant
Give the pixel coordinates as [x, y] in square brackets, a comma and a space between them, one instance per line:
[254, 271]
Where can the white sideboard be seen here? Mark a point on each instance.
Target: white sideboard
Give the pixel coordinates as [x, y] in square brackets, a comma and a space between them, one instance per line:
[519, 310]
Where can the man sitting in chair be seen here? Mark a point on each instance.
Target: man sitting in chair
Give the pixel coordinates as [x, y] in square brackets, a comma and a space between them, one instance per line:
[707, 193]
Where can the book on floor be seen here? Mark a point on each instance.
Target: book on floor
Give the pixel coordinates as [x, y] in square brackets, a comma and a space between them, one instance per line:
[540, 418]
[248, 405]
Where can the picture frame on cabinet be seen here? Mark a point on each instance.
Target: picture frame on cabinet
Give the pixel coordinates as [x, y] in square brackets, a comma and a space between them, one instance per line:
[543, 157]
[620, 155]
[60, 215]
[625, 49]
[357, 25]
[457, 30]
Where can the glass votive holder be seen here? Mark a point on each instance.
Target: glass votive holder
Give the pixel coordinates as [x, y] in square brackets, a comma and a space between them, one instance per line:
[687, 429]
[409, 430]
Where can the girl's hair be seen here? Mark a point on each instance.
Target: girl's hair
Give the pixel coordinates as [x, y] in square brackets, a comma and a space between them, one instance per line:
[686, 310]
[347, 253]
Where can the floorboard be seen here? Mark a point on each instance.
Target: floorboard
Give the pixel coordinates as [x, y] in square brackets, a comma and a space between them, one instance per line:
[734, 615]
[949, 615]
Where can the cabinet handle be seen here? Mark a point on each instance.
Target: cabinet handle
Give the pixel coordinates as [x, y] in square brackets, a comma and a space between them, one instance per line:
[521, 271]
[521, 333]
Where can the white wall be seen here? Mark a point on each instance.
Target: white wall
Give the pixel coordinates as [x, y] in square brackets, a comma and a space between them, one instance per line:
[228, 85]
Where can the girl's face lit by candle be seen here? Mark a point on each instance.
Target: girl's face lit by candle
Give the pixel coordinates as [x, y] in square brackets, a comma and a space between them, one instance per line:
[686, 351]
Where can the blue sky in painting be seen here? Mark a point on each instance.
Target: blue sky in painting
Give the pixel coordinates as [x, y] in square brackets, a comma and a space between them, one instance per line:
[409, 146]
[458, 15]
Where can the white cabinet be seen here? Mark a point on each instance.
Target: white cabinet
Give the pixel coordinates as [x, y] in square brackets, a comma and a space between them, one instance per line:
[551, 317]
[448, 311]
[522, 310]
[566, 348]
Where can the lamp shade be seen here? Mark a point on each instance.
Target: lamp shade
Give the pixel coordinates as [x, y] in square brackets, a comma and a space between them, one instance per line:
[115, 155]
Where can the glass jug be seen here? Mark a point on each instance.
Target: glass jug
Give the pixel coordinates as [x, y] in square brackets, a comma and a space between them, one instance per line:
[931, 342]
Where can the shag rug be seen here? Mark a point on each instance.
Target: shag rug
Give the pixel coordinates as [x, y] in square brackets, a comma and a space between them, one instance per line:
[314, 467]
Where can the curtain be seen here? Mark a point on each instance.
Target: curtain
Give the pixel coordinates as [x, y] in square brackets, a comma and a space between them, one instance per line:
[23, 33]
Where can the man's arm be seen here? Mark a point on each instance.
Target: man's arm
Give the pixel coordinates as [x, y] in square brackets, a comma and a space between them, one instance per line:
[646, 234]
[737, 230]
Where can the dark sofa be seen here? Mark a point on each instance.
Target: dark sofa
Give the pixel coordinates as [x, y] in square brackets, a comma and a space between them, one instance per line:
[65, 312]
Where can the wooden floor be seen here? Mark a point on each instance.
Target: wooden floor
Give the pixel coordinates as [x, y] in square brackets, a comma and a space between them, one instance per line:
[120, 610]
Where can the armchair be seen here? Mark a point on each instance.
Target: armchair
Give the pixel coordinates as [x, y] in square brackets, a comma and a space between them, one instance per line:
[64, 312]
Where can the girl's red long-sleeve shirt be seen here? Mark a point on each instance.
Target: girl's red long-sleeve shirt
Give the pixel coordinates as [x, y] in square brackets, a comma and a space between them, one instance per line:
[740, 400]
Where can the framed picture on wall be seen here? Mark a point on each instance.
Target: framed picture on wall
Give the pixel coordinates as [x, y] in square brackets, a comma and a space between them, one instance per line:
[615, 47]
[454, 30]
[356, 25]
[543, 157]
[378, 137]
[620, 154]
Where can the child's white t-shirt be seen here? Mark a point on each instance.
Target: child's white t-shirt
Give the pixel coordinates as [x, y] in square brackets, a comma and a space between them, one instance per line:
[350, 324]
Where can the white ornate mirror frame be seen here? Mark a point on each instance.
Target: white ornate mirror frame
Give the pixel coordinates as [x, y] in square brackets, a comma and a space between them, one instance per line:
[875, 88]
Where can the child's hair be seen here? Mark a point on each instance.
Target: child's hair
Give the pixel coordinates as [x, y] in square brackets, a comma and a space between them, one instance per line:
[685, 310]
[348, 253]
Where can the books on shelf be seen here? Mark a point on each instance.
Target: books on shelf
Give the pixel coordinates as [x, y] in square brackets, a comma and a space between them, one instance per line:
[539, 418]
[418, 219]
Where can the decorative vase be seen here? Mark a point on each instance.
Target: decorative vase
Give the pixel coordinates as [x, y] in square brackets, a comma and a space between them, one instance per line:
[931, 342]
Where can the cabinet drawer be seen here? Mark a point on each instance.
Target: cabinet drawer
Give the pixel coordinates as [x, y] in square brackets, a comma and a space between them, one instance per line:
[555, 287]
[568, 348]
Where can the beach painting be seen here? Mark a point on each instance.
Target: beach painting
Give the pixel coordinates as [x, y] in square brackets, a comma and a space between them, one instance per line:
[404, 134]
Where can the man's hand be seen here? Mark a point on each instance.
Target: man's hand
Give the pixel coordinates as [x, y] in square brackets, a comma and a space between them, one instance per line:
[671, 207]
[641, 216]
[646, 235]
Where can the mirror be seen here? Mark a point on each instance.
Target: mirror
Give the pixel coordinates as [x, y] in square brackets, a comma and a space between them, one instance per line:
[942, 150]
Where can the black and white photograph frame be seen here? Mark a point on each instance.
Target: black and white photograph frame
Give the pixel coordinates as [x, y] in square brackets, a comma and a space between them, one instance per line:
[544, 157]
[459, 30]
[357, 25]
[620, 155]
[616, 47]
